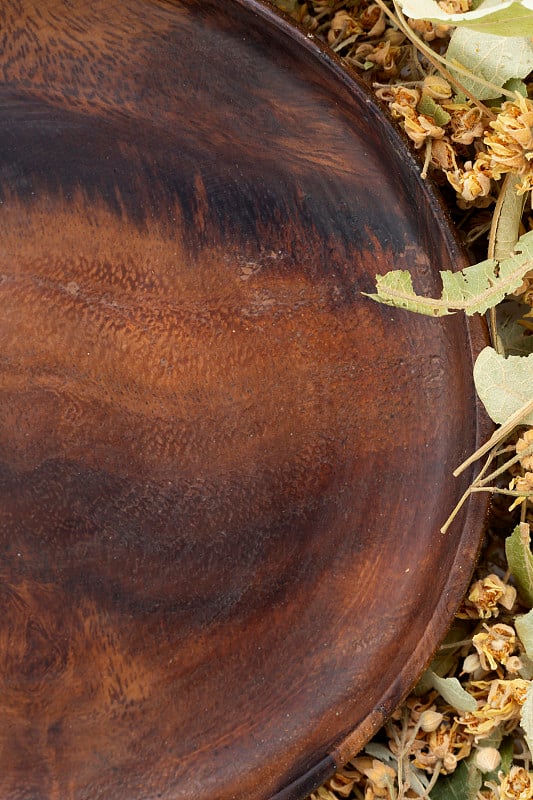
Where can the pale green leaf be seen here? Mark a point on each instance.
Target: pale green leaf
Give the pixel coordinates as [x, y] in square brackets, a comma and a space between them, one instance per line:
[506, 18]
[526, 717]
[520, 561]
[497, 59]
[524, 629]
[473, 290]
[516, 85]
[430, 108]
[504, 385]
[453, 693]
[463, 784]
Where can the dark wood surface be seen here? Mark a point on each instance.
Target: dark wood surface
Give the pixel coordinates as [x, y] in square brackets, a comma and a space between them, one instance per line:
[222, 469]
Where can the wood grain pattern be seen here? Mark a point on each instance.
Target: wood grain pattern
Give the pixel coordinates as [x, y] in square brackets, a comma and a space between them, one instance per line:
[222, 469]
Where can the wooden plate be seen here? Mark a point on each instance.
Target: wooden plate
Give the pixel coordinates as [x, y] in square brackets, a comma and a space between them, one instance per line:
[223, 470]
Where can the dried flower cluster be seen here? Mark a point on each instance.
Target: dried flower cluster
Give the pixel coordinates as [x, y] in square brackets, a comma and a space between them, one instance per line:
[523, 481]
[428, 738]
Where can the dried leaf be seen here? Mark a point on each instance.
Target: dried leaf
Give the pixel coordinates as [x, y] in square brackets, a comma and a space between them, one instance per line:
[473, 290]
[526, 717]
[430, 108]
[524, 629]
[503, 384]
[520, 560]
[463, 784]
[453, 693]
[497, 59]
[507, 18]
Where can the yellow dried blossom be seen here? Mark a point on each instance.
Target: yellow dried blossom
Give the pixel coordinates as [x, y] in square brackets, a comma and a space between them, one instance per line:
[515, 122]
[428, 30]
[510, 147]
[523, 484]
[436, 87]
[448, 744]
[372, 19]
[517, 785]
[420, 127]
[466, 123]
[525, 441]
[470, 183]
[490, 592]
[342, 26]
[384, 54]
[495, 645]
[401, 99]
[380, 777]
[443, 155]
[503, 703]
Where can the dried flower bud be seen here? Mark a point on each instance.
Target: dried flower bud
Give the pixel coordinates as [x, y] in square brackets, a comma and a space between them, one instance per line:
[436, 87]
[430, 720]
[471, 663]
[487, 759]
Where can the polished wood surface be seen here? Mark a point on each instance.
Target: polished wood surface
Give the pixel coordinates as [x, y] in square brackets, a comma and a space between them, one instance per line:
[222, 469]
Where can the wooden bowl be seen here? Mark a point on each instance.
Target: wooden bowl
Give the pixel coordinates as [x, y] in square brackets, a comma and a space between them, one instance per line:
[223, 469]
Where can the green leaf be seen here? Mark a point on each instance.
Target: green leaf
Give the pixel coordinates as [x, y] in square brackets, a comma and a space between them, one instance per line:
[500, 18]
[516, 85]
[430, 108]
[524, 629]
[473, 290]
[526, 717]
[497, 59]
[453, 693]
[504, 385]
[520, 561]
[463, 784]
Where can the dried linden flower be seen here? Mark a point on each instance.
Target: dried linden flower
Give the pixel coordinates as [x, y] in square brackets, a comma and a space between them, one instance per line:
[486, 594]
[517, 785]
[504, 700]
[525, 441]
[343, 25]
[373, 21]
[510, 147]
[466, 123]
[380, 777]
[495, 645]
[470, 183]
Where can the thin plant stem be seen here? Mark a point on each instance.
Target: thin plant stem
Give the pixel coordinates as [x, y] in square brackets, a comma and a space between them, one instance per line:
[515, 419]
